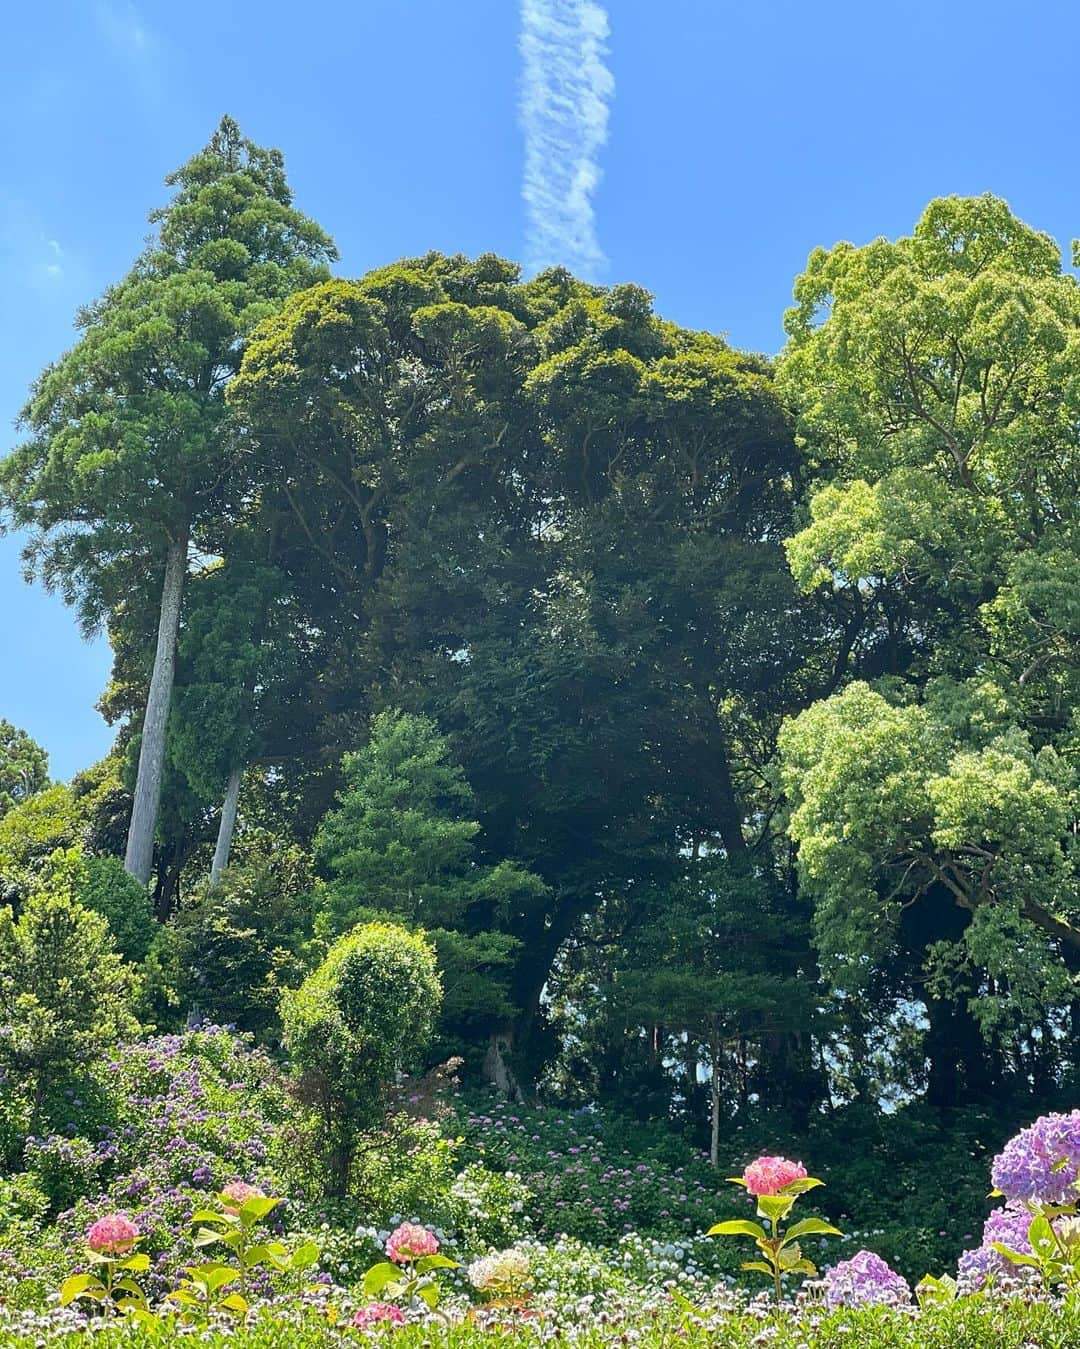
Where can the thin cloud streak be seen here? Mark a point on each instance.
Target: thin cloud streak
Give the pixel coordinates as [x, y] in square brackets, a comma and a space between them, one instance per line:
[565, 98]
[137, 50]
[123, 27]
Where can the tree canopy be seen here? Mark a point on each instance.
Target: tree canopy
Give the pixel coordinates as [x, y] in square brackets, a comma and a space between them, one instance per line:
[714, 717]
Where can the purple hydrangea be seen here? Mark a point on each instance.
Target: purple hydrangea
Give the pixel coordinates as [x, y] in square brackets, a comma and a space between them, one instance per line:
[1009, 1226]
[975, 1266]
[863, 1280]
[1042, 1162]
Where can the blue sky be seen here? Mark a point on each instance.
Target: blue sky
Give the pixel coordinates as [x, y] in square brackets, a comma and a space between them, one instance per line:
[703, 148]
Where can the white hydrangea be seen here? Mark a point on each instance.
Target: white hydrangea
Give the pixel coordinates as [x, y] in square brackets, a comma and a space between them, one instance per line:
[503, 1272]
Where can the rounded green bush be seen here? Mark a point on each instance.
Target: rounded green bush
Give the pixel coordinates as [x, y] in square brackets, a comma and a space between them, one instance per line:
[368, 1007]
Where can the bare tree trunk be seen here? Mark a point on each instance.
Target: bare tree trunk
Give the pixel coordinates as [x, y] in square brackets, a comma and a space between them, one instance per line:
[139, 859]
[227, 825]
[714, 1097]
[167, 891]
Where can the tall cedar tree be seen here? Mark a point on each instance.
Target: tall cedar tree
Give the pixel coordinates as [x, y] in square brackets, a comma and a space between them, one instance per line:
[133, 458]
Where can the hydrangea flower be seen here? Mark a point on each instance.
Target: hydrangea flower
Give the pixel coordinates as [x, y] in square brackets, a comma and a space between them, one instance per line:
[975, 1266]
[769, 1175]
[499, 1273]
[112, 1235]
[1042, 1162]
[1009, 1226]
[379, 1313]
[864, 1280]
[237, 1193]
[410, 1242]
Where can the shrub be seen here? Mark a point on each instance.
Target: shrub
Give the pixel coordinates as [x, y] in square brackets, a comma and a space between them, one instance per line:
[21, 1202]
[66, 1168]
[235, 945]
[106, 888]
[369, 1006]
[64, 992]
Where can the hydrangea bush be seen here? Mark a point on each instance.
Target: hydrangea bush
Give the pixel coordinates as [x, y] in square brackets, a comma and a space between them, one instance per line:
[582, 1178]
[151, 1188]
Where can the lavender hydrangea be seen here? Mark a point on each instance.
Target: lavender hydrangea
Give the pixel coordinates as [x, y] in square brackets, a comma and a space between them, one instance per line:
[1042, 1162]
[863, 1280]
[974, 1268]
[1009, 1226]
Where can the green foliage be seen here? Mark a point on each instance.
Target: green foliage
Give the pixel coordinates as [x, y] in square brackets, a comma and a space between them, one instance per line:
[112, 1284]
[89, 814]
[365, 1012]
[105, 888]
[238, 666]
[24, 767]
[399, 839]
[935, 379]
[31, 833]
[549, 521]
[115, 462]
[132, 456]
[400, 842]
[231, 948]
[21, 1202]
[239, 1229]
[64, 1169]
[65, 993]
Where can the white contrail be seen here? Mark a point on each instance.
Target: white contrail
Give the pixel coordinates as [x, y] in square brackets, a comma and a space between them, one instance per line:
[566, 90]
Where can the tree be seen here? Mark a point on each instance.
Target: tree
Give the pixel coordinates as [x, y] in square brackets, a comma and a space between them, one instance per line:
[936, 399]
[400, 843]
[711, 974]
[936, 383]
[368, 1008]
[236, 942]
[237, 666]
[596, 609]
[89, 815]
[24, 767]
[891, 807]
[65, 994]
[132, 457]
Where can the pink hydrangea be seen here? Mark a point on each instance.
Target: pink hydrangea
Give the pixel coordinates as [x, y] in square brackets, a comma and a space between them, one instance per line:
[112, 1235]
[379, 1313]
[769, 1175]
[236, 1194]
[409, 1242]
